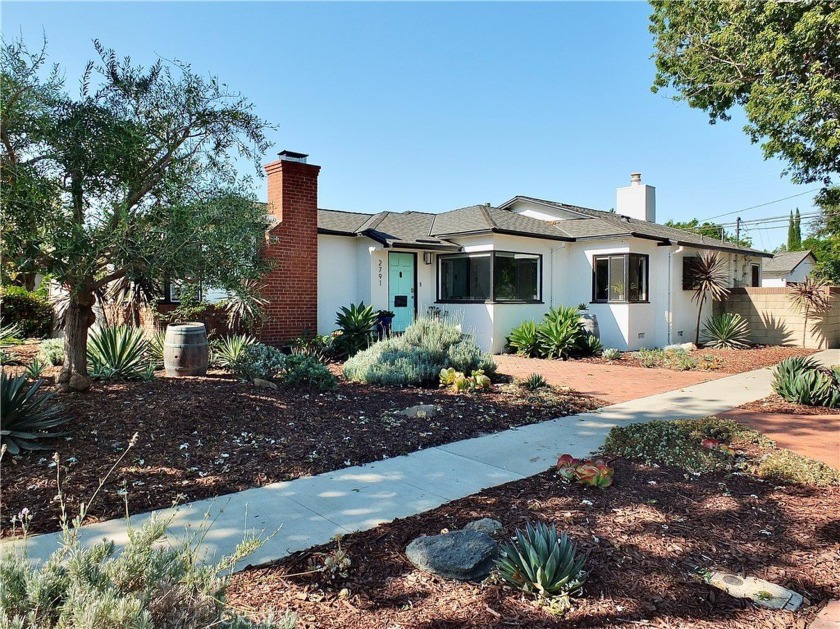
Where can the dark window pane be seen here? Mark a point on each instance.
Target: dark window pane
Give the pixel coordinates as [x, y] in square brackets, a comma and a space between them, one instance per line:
[602, 278]
[516, 277]
[637, 278]
[618, 290]
[465, 277]
[756, 275]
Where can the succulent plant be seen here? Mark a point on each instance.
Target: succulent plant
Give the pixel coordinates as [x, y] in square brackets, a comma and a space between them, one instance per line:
[534, 382]
[542, 562]
[801, 380]
[26, 416]
[727, 331]
[117, 353]
[596, 473]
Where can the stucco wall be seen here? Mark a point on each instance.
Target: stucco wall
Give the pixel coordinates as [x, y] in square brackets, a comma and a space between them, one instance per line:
[773, 320]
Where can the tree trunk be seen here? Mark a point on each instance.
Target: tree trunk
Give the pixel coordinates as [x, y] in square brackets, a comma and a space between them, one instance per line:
[699, 315]
[805, 327]
[79, 317]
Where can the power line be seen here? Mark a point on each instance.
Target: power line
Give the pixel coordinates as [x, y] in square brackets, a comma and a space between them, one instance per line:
[752, 207]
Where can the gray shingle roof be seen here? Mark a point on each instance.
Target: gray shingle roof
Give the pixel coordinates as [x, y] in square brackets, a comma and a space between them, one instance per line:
[785, 262]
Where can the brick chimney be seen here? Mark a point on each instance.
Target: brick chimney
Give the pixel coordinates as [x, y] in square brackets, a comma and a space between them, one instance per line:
[292, 249]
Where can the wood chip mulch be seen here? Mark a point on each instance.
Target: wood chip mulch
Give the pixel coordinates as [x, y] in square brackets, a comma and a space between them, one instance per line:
[776, 404]
[204, 437]
[646, 537]
[723, 360]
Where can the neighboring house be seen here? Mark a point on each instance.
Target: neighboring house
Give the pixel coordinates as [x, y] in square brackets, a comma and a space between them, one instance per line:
[488, 267]
[788, 267]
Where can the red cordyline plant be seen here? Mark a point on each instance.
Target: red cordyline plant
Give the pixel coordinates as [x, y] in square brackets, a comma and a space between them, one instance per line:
[809, 297]
[708, 279]
[596, 473]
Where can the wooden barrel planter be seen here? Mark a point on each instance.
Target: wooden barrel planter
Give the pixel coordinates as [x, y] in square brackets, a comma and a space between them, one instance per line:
[185, 350]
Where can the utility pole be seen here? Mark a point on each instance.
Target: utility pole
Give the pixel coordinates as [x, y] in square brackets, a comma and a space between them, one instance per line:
[738, 231]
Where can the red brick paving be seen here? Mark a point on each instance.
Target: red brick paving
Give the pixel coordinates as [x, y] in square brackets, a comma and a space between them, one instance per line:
[828, 618]
[611, 383]
[815, 436]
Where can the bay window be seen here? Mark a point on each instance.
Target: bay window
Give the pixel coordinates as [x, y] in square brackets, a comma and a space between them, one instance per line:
[492, 276]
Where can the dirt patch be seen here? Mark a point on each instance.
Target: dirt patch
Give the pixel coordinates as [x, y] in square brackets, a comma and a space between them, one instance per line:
[720, 360]
[646, 537]
[203, 437]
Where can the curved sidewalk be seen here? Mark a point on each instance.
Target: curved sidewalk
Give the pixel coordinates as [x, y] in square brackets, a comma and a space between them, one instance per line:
[310, 511]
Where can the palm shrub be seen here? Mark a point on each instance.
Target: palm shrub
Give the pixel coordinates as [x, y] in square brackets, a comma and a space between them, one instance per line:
[542, 562]
[707, 278]
[227, 350]
[26, 416]
[34, 369]
[52, 351]
[245, 306]
[356, 324]
[524, 340]
[810, 298]
[800, 380]
[117, 353]
[727, 331]
[10, 333]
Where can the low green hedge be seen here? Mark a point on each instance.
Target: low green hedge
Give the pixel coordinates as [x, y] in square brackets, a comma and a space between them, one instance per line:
[32, 312]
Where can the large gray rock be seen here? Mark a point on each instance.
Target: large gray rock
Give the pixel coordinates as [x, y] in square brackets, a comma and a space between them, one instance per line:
[421, 410]
[462, 555]
[761, 592]
[484, 525]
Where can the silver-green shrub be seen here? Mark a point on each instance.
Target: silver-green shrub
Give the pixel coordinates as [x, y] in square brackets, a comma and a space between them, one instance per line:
[257, 361]
[52, 351]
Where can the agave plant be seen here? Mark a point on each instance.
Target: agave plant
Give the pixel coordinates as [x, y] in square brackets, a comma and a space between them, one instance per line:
[534, 382]
[34, 369]
[541, 562]
[706, 275]
[610, 354]
[801, 380]
[524, 339]
[588, 345]
[228, 350]
[559, 337]
[809, 297]
[727, 331]
[26, 416]
[117, 353]
[356, 324]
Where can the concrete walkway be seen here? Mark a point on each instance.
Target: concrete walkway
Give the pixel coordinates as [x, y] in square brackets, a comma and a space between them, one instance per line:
[310, 511]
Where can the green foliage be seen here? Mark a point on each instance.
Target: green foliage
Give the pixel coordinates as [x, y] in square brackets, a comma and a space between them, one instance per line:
[784, 466]
[560, 332]
[794, 239]
[52, 351]
[257, 361]
[227, 350]
[611, 354]
[810, 297]
[650, 357]
[155, 345]
[417, 357]
[524, 339]
[707, 276]
[10, 333]
[543, 563]
[461, 383]
[589, 345]
[780, 61]
[245, 307]
[801, 380]
[35, 369]
[26, 416]
[319, 347]
[727, 331]
[29, 311]
[710, 230]
[149, 584]
[117, 353]
[534, 382]
[308, 371]
[356, 324]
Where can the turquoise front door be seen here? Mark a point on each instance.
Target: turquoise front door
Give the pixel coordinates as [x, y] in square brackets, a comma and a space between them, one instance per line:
[401, 289]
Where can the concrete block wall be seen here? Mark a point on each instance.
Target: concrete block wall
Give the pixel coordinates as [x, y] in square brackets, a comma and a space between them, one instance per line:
[774, 321]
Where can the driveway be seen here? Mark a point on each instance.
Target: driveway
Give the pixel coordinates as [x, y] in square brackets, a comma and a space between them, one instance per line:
[611, 383]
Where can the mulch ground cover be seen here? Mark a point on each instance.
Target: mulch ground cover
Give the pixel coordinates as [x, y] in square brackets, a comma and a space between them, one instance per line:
[647, 537]
[204, 437]
[776, 404]
[720, 360]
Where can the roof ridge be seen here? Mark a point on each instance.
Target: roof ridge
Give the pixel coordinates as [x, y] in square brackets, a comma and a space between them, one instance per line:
[486, 213]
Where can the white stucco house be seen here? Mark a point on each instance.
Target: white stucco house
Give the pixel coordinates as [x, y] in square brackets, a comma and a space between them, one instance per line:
[787, 268]
[489, 267]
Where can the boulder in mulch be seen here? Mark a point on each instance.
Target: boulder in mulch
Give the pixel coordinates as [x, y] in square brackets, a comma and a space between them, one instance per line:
[461, 555]
[759, 591]
[264, 384]
[484, 525]
[420, 410]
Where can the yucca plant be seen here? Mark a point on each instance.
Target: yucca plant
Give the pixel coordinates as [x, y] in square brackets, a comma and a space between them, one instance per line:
[34, 369]
[524, 339]
[25, 415]
[356, 324]
[228, 350]
[809, 297]
[534, 382]
[727, 331]
[155, 344]
[117, 353]
[706, 275]
[543, 563]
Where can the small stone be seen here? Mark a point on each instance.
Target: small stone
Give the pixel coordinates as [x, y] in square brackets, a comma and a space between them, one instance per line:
[484, 525]
[462, 555]
[78, 382]
[420, 410]
[265, 384]
[759, 591]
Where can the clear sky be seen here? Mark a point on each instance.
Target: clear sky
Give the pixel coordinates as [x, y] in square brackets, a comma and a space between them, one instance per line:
[436, 106]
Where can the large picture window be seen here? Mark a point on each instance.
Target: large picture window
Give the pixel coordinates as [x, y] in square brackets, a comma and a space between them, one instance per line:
[621, 278]
[499, 276]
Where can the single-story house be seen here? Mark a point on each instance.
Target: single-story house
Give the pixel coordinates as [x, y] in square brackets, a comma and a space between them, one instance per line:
[488, 267]
[787, 268]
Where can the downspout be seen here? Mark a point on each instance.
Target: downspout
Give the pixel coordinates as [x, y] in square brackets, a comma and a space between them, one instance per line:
[671, 291]
[551, 283]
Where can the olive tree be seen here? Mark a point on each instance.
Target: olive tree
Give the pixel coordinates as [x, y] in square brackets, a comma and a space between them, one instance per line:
[133, 178]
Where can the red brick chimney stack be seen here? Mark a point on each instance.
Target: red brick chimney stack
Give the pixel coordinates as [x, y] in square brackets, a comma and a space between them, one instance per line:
[292, 249]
